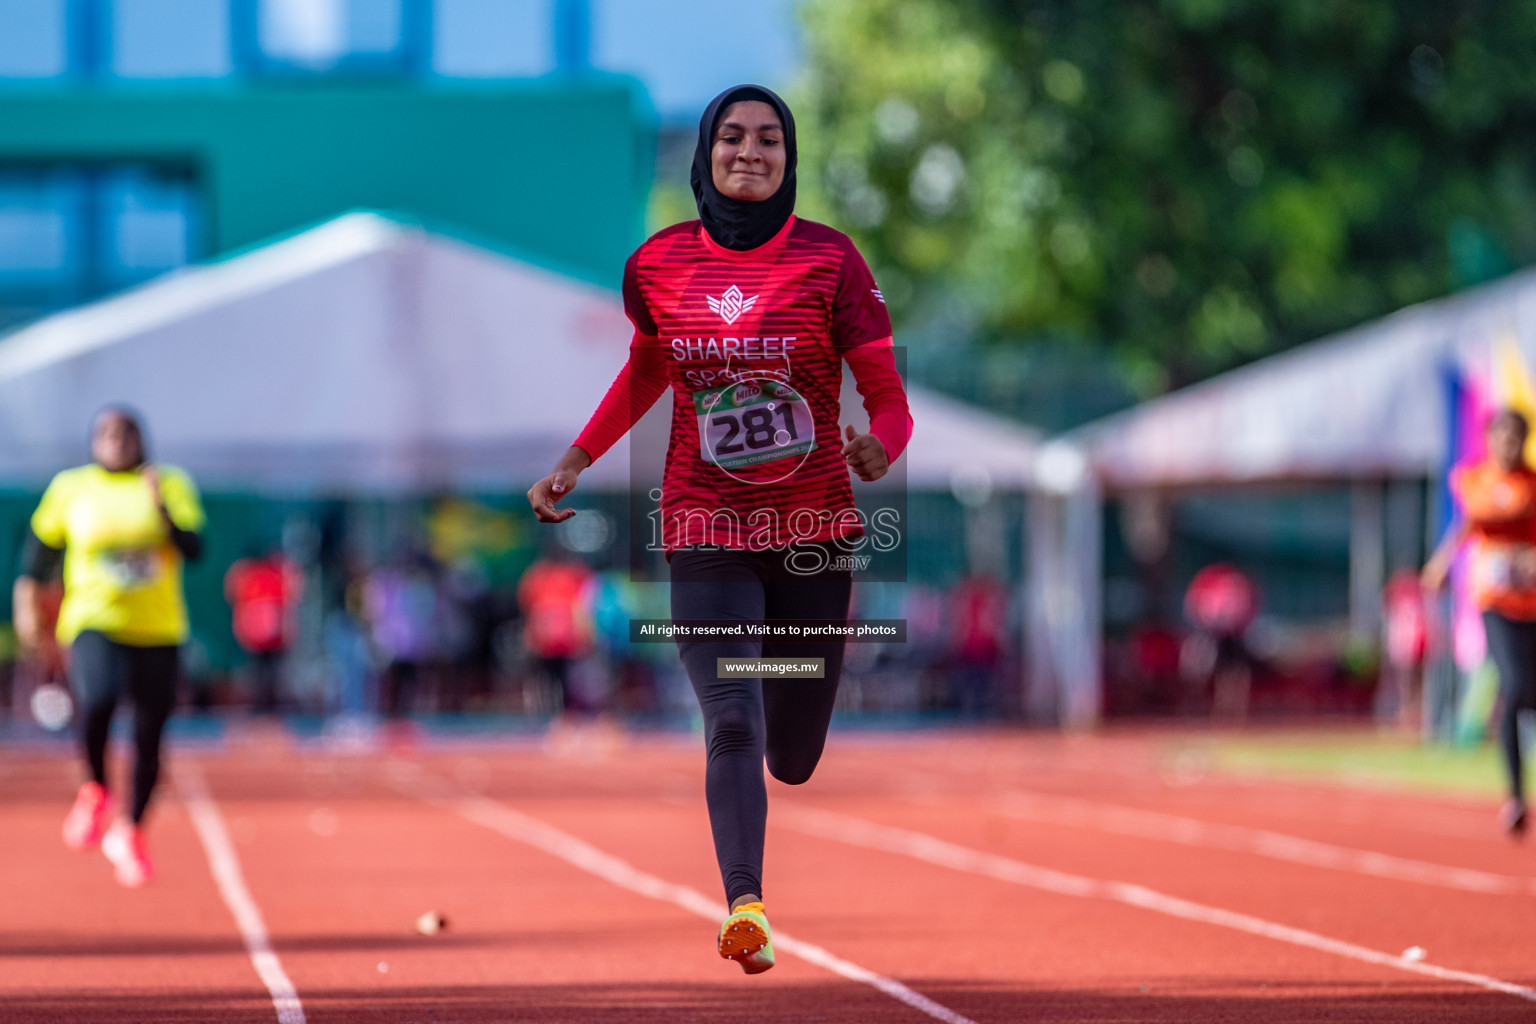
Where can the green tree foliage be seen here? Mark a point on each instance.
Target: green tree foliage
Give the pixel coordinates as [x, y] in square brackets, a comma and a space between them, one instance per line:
[1191, 183]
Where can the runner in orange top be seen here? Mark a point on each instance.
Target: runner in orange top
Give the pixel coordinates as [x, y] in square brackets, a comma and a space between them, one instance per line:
[555, 597]
[263, 591]
[1498, 500]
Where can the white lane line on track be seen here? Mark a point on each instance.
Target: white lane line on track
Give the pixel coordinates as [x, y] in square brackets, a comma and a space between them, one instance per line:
[920, 846]
[1309, 798]
[225, 866]
[505, 820]
[1127, 821]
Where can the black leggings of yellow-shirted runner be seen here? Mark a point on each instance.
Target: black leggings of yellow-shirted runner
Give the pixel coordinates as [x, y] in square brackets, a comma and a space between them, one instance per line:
[102, 672]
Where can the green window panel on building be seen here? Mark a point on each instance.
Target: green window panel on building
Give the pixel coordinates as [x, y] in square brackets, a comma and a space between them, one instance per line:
[556, 170]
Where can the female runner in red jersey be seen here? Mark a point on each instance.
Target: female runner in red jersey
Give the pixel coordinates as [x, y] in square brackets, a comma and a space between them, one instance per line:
[747, 314]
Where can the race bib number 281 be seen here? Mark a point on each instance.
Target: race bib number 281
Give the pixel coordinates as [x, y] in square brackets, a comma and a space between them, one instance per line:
[752, 422]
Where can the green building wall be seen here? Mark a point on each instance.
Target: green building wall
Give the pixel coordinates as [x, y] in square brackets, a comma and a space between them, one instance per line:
[557, 169]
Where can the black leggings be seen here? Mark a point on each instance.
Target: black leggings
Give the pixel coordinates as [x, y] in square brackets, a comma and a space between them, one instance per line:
[746, 719]
[1512, 643]
[101, 672]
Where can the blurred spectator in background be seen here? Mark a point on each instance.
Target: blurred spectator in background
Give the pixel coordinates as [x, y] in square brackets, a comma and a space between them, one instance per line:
[1154, 651]
[555, 595]
[1498, 502]
[1405, 639]
[467, 616]
[347, 652]
[616, 600]
[978, 624]
[401, 602]
[927, 647]
[263, 591]
[1221, 603]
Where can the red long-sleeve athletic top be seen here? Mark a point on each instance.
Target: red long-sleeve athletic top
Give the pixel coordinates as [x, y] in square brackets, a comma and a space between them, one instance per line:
[750, 344]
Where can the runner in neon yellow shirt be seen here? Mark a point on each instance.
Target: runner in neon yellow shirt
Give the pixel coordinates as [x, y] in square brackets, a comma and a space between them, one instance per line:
[122, 528]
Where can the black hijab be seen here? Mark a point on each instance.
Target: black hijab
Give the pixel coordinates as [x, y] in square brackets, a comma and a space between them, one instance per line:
[741, 223]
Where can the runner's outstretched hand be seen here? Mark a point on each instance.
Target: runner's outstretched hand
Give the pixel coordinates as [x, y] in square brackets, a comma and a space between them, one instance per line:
[865, 454]
[35, 608]
[554, 488]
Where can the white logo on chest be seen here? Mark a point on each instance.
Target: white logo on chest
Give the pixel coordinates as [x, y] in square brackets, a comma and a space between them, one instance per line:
[732, 304]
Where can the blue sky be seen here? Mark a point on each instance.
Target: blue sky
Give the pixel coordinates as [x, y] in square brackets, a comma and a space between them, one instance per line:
[685, 51]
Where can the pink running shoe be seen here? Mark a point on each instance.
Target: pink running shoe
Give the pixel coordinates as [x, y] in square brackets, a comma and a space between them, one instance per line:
[124, 847]
[1512, 818]
[87, 820]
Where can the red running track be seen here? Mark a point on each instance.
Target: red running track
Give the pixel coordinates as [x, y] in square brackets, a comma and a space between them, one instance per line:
[983, 876]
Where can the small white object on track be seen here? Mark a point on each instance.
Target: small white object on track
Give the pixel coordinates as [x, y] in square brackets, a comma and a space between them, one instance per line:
[52, 707]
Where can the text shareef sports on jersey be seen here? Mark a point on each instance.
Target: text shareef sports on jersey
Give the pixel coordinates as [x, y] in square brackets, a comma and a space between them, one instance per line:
[751, 350]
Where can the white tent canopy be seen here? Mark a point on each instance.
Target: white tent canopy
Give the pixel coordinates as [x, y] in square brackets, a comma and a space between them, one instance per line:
[369, 355]
[955, 443]
[1369, 402]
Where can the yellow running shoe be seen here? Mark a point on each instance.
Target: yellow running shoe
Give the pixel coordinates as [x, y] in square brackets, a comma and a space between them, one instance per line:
[746, 938]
